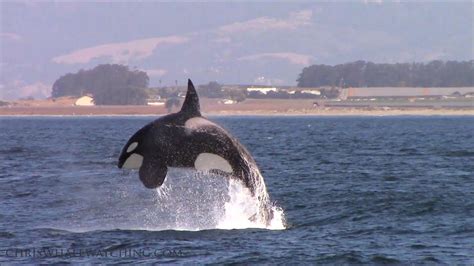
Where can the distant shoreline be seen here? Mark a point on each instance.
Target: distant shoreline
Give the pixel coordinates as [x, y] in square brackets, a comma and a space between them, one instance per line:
[98, 111]
[214, 107]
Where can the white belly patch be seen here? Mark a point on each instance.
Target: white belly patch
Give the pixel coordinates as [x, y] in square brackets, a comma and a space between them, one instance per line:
[209, 161]
[133, 161]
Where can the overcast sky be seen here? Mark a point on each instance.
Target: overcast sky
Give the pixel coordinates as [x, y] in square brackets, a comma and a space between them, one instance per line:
[258, 43]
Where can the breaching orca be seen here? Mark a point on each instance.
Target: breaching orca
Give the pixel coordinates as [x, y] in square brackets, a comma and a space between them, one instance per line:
[187, 139]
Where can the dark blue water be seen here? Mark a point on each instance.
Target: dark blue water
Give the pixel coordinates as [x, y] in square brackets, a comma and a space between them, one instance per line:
[353, 190]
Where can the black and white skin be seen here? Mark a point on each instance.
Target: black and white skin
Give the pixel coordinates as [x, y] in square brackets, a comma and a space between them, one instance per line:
[187, 139]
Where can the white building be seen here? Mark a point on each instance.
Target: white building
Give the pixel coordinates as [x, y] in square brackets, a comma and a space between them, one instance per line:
[263, 90]
[155, 103]
[314, 92]
[85, 101]
[228, 101]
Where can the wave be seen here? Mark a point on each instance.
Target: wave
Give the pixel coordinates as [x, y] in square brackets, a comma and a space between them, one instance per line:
[12, 150]
[459, 153]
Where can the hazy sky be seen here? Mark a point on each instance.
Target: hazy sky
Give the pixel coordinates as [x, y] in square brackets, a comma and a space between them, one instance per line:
[231, 43]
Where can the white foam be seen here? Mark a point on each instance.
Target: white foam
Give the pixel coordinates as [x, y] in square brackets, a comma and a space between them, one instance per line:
[242, 206]
[213, 202]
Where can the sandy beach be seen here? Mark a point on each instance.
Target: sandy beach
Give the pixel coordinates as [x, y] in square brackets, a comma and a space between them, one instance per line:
[65, 107]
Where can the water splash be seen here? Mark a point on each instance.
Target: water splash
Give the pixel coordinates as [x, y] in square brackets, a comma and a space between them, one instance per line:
[241, 206]
[187, 200]
[200, 201]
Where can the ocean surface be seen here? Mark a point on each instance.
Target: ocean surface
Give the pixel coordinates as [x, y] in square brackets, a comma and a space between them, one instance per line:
[351, 190]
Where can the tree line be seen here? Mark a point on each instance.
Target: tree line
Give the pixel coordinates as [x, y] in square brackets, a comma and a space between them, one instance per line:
[367, 74]
[113, 84]
[110, 84]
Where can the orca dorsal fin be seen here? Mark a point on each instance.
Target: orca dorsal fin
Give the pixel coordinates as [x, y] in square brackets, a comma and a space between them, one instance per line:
[191, 102]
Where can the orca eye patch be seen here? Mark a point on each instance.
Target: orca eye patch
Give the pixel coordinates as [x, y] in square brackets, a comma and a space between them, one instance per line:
[132, 146]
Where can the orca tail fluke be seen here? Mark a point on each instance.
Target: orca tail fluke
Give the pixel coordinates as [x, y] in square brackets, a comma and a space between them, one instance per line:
[191, 102]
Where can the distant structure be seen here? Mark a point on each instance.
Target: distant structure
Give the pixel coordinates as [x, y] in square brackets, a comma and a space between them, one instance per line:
[314, 92]
[229, 101]
[404, 97]
[85, 101]
[407, 91]
[263, 90]
[345, 93]
[156, 103]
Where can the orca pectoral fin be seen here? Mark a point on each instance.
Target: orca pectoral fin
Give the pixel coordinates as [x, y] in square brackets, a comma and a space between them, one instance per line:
[152, 174]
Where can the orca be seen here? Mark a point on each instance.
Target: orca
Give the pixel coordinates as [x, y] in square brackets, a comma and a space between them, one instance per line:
[189, 140]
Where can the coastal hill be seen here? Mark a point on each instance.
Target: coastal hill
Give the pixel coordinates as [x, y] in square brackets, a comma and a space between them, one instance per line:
[356, 87]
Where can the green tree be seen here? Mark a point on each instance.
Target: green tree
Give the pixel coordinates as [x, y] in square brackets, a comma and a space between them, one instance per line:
[109, 84]
[211, 90]
[360, 74]
[238, 95]
[171, 102]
